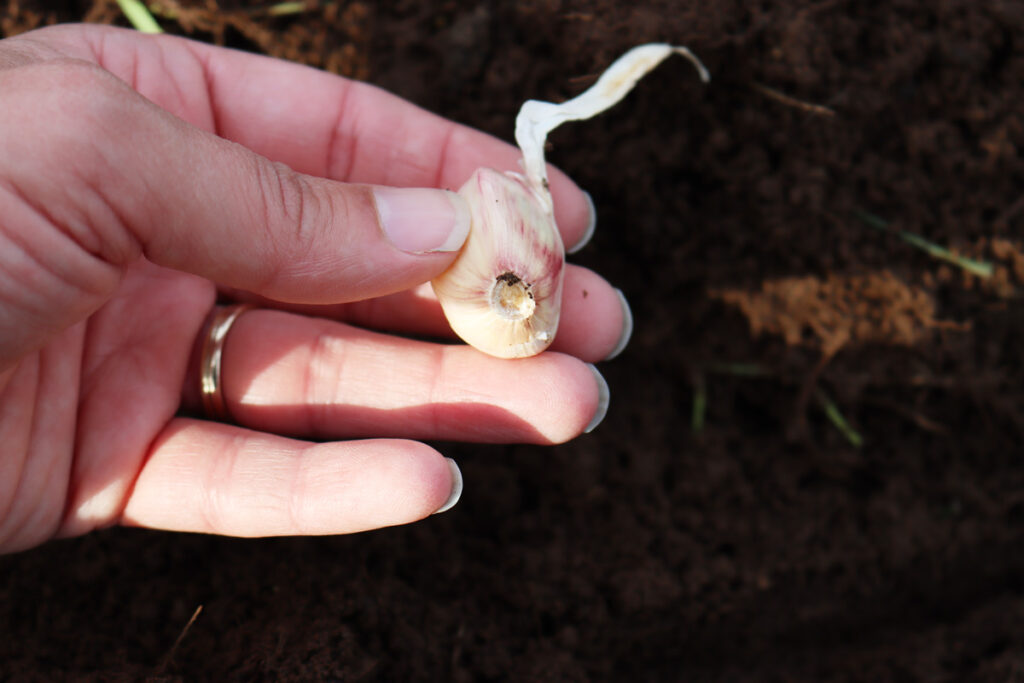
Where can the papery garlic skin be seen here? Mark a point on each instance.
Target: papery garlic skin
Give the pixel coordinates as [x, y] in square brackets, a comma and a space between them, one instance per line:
[503, 294]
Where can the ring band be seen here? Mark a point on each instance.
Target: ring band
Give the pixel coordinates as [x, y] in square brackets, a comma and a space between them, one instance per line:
[214, 404]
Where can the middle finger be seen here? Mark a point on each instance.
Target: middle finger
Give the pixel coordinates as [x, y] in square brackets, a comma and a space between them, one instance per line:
[595, 322]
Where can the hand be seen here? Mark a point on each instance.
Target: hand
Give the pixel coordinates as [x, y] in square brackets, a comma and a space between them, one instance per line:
[139, 176]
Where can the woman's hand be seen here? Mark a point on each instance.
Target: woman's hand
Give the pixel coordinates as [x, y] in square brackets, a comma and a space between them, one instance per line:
[139, 176]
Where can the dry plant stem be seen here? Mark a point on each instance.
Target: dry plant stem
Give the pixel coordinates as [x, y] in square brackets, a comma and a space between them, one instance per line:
[915, 417]
[789, 101]
[174, 648]
[807, 389]
[503, 294]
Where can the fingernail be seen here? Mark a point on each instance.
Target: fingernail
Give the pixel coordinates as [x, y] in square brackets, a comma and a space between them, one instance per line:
[603, 398]
[456, 488]
[420, 220]
[627, 326]
[591, 226]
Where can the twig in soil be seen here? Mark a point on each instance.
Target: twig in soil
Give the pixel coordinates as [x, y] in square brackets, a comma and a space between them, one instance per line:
[139, 17]
[982, 269]
[798, 427]
[817, 109]
[917, 418]
[837, 419]
[181, 636]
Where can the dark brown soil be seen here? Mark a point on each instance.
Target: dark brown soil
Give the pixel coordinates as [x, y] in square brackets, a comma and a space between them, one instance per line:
[720, 525]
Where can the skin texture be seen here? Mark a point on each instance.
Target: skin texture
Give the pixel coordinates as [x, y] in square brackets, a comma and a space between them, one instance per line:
[143, 176]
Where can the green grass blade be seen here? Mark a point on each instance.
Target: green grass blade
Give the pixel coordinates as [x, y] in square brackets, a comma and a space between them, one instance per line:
[838, 421]
[739, 369]
[700, 406]
[139, 17]
[982, 269]
[282, 9]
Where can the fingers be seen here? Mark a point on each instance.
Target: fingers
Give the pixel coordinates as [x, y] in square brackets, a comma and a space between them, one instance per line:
[295, 375]
[213, 478]
[92, 175]
[91, 166]
[352, 131]
[314, 122]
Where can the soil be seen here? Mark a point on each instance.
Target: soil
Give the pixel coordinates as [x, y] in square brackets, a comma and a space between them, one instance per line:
[812, 466]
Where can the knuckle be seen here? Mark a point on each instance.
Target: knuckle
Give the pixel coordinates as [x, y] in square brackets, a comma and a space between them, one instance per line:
[308, 226]
[290, 211]
[326, 359]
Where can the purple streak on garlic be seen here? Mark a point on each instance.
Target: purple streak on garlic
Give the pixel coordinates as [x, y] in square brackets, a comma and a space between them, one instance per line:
[503, 293]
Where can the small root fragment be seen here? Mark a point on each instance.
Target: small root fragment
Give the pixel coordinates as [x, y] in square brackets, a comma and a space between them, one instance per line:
[789, 101]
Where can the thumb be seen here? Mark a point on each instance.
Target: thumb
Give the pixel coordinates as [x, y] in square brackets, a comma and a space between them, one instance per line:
[122, 177]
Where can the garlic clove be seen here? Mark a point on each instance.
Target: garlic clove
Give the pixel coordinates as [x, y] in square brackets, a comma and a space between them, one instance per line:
[503, 294]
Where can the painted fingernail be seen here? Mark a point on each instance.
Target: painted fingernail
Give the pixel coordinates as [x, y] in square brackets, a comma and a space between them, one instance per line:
[591, 226]
[603, 398]
[627, 326]
[419, 220]
[456, 488]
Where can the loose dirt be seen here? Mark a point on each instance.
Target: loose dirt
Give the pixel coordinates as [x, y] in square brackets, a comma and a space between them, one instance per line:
[722, 523]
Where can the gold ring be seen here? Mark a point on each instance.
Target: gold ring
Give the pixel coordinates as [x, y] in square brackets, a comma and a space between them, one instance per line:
[214, 404]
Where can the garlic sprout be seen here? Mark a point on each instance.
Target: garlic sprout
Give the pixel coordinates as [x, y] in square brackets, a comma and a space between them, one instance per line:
[503, 293]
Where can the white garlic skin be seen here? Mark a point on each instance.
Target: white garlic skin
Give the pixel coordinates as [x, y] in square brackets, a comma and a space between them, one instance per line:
[503, 293]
